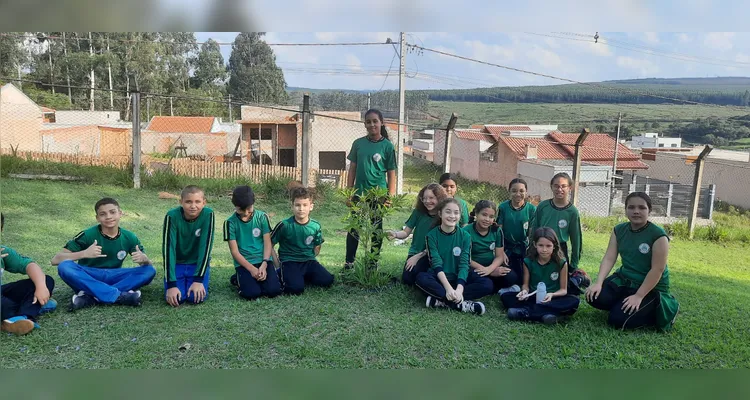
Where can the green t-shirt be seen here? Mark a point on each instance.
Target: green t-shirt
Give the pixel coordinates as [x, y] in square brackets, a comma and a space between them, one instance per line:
[14, 262]
[419, 223]
[115, 248]
[297, 242]
[249, 235]
[515, 223]
[187, 242]
[373, 160]
[464, 220]
[635, 249]
[450, 253]
[566, 222]
[548, 273]
[483, 247]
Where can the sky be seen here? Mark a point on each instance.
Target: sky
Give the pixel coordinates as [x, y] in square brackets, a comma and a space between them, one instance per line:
[565, 54]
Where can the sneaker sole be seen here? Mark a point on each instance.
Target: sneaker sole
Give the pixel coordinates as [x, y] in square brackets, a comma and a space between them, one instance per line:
[19, 328]
[427, 302]
[483, 309]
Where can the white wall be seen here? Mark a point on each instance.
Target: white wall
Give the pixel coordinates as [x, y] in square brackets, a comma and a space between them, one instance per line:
[74, 117]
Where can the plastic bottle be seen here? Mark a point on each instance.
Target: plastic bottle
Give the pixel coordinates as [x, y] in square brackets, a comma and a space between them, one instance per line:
[541, 292]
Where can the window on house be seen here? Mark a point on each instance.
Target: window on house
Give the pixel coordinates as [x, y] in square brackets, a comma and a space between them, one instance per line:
[332, 159]
[287, 157]
[265, 134]
[661, 144]
[674, 145]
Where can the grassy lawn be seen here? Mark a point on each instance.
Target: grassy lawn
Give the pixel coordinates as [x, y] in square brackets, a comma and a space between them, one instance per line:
[347, 327]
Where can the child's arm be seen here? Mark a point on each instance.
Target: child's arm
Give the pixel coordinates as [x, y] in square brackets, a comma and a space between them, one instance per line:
[138, 256]
[316, 250]
[392, 182]
[41, 292]
[169, 253]
[235, 251]
[463, 264]
[205, 247]
[275, 237]
[92, 251]
[450, 293]
[318, 241]
[525, 286]
[659, 255]
[402, 234]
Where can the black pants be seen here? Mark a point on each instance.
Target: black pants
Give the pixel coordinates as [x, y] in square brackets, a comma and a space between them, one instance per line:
[559, 306]
[500, 282]
[476, 286]
[251, 289]
[516, 264]
[611, 298]
[352, 238]
[18, 296]
[296, 274]
[409, 278]
[574, 283]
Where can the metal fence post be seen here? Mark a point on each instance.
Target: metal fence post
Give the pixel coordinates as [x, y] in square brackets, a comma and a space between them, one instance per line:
[305, 140]
[136, 98]
[448, 141]
[710, 201]
[577, 165]
[694, 199]
[670, 192]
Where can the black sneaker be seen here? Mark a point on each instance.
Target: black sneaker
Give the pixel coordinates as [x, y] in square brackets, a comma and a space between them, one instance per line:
[130, 298]
[82, 300]
[233, 281]
[550, 319]
[348, 265]
[518, 314]
[474, 307]
[434, 302]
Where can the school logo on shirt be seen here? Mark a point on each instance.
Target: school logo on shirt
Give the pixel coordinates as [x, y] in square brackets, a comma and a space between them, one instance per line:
[554, 276]
[377, 157]
[198, 232]
[456, 251]
[526, 225]
[644, 248]
[121, 254]
[256, 232]
[308, 240]
[562, 223]
[492, 246]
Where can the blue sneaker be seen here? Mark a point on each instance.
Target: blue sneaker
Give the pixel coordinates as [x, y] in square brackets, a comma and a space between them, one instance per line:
[49, 307]
[17, 325]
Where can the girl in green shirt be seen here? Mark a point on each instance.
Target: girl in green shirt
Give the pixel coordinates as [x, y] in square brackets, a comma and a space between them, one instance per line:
[513, 218]
[546, 264]
[637, 294]
[487, 253]
[450, 183]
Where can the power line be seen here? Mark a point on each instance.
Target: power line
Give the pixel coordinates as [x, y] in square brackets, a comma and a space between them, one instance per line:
[388, 73]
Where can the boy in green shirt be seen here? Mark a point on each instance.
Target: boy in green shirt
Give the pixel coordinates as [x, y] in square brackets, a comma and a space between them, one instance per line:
[248, 233]
[91, 262]
[22, 301]
[299, 239]
[187, 240]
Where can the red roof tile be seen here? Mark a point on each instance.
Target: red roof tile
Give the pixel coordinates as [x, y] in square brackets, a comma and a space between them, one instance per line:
[546, 149]
[167, 124]
[598, 146]
[622, 164]
[474, 134]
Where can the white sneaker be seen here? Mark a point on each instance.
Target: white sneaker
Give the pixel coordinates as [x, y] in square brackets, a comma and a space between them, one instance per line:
[433, 302]
[512, 289]
[474, 307]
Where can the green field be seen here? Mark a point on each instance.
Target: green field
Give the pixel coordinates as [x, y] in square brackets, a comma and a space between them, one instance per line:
[348, 327]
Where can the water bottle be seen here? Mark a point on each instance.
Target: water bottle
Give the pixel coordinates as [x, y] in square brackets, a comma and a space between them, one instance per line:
[541, 292]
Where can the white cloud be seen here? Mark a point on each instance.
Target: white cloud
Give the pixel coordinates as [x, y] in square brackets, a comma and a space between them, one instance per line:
[651, 37]
[326, 36]
[684, 38]
[353, 62]
[488, 52]
[599, 49]
[721, 41]
[644, 67]
[544, 57]
[743, 58]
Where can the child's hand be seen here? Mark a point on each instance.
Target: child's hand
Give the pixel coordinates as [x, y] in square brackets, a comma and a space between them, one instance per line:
[503, 271]
[41, 295]
[390, 234]
[506, 260]
[262, 272]
[632, 304]
[173, 297]
[522, 294]
[485, 271]
[198, 291]
[93, 251]
[592, 292]
[254, 272]
[547, 298]
[412, 261]
[138, 256]
[3, 255]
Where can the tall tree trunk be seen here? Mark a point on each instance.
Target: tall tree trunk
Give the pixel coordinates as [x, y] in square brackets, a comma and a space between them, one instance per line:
[67, 70]
[51, 75]
[91, 54]
[109, 71]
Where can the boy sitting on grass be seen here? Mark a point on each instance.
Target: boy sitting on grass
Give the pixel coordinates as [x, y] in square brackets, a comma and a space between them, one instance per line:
[187, 240]
[22, 301]
[299, 239]
[91, 262]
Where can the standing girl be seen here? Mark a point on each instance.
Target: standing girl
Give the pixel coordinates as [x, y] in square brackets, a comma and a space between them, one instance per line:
[545, 264]
[450, 282]
[562, 216]
[421, 220]
[450, 184]
[513, 218]
[488, 257]
[638, 293]
[373, 164]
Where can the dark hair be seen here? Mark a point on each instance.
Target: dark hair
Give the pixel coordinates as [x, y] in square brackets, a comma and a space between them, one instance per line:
[442, 205]
[302, 193]
[2, 221]
[481, 205]
[448, 177]
[436, 189]
[243, 197]
[549, 234]
[105, 201]
[642, 195]
[521, 181]
[563, 175]
[383, 129]
[191, 189]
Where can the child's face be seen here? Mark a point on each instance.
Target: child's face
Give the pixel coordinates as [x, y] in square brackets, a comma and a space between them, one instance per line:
[544, 247]
[450, 214]
[637, 211]
[561, 189]
[244, 213]
[301, 208]
[450, 187]
[192, 204]
[429, 200]
[486, 217]
[518, 192]
[108, 215]
[373, 124]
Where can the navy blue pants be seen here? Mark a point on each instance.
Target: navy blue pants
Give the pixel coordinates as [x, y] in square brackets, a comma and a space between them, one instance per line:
[559, 306]
[185, 278]
[296, 274]
[104, 284]
[516, 265]
[611, 298]
[476, 286]
[251, 289]
[409, 278]
[18, 297]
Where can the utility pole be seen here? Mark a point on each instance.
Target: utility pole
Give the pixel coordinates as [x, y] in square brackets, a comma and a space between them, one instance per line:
[368, 101]
[614, 165]
[67, 69]
[401, 109]
[171, 108]
[91, 54]
[148, 108]
[109, 72]
[229, 103]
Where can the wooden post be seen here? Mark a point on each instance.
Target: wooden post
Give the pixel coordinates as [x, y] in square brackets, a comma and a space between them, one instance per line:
[136, 98]
[699, 164]
[448, 140]
[305, 140]
[670, 193]
[577, 164]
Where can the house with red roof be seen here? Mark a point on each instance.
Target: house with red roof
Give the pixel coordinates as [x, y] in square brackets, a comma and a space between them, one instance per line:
[190, 136]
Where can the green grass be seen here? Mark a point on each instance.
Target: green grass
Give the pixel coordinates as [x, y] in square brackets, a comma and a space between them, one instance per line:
[347, 327]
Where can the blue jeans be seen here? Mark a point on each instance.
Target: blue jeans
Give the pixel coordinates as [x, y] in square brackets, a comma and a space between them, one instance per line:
[185, 274]
[105, 284]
